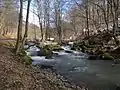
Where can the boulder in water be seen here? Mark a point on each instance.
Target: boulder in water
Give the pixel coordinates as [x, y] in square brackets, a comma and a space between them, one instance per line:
[48, 57]
[117, 61]
[93, 57]
[49, 54]
[107, 56]
[42, 52]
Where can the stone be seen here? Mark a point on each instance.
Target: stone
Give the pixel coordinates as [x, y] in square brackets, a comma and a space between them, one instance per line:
[116, 61]
[46, 66]
[68, 51]
[41, 52]
[49, 54]
[107, 56]
[48, 57]
[93, 57]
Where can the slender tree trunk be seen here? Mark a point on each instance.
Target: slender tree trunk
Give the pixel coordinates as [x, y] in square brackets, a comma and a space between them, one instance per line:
[39, 10]
[19, 33]
[27, 21]
[114, 11]
[87, 19]
[41, 28]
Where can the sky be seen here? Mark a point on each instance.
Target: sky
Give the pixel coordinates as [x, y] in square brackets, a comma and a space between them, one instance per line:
[32, 17]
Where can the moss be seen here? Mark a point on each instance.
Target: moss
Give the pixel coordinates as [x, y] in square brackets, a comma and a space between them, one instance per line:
[80, 46]
[107, 56]
[26, 60]
[49, 48]
[52, 47]
[23, 53]
[76, 46]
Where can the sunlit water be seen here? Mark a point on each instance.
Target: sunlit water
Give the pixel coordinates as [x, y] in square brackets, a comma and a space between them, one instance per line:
[77, 68]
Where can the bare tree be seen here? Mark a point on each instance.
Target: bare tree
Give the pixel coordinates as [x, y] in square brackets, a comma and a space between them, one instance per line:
[39, 15]
[19, 33]
[114, 7]
[27, 22]
[58, 18]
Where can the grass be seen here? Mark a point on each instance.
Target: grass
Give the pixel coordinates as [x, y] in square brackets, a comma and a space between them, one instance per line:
[8, 43]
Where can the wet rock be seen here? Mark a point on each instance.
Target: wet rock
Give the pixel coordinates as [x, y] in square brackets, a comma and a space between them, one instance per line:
[49, 55]
[42, 52]
[57, 49]
[116, 61]
[73, 48]
[46, 67]
[55, 53]
[38, 47]
[79, 45]
[68, 51]
[107, 56]
[93, 57]
[53, 47]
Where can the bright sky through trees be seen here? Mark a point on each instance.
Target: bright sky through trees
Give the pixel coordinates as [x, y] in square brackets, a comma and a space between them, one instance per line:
[34, 19]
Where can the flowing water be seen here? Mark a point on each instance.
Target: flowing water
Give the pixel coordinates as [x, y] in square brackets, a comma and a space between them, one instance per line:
[95, 74]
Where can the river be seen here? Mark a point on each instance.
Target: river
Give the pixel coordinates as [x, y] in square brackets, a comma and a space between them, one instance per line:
[75, 66]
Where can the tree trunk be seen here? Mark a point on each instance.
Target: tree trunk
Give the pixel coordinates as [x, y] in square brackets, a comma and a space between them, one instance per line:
[19, 33]
[114, 11]
[87, 19]
[27, 21]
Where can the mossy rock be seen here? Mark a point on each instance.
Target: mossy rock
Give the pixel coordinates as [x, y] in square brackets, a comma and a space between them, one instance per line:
[107, 56]
[23, 53]
[26, 60]
[73, 48]
[76, 46]
[56, 47]
[49, 55]
[80, 46]
[52, 47]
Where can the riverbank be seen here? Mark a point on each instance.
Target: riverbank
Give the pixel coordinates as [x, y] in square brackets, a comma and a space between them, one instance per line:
[15, 75]
[101, 46]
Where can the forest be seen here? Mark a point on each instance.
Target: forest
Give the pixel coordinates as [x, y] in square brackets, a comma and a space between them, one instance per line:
[77, 42]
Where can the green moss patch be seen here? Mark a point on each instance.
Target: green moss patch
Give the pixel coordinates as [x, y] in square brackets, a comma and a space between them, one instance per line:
[26, 60]
[52, 47]
[107, 56]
